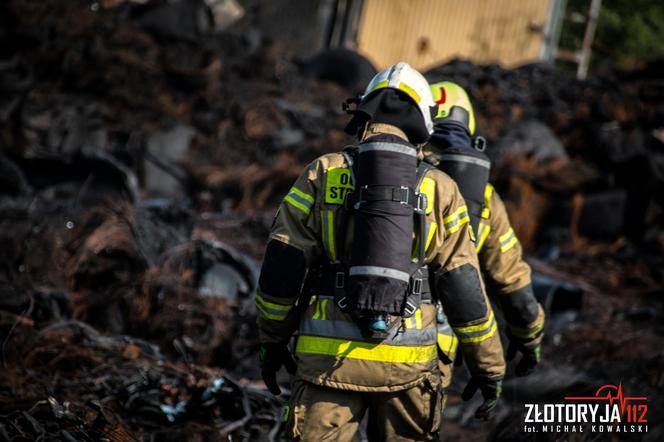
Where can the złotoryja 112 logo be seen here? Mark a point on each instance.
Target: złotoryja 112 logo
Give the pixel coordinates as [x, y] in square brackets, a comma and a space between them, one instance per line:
[610, 410]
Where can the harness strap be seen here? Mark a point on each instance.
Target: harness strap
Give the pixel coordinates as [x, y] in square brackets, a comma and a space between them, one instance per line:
[403, 194]
[334, 275]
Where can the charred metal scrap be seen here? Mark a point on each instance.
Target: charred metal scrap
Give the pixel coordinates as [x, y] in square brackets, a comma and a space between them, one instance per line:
[69, 382]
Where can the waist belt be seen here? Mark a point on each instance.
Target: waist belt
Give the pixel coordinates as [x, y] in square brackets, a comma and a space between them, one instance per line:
[334, 276]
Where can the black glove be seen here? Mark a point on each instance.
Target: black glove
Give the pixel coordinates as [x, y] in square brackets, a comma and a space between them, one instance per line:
[531, 357]
[272, 357]
[491, 390]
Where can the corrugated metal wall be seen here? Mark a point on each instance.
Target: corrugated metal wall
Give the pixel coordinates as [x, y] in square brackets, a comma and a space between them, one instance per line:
[428, 32]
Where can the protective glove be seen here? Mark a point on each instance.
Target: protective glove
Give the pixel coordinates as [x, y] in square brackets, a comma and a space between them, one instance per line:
[491, 390]
[531, 357]
[272, 357]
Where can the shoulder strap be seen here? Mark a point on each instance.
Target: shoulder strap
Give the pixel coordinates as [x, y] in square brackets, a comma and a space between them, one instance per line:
[422, 170]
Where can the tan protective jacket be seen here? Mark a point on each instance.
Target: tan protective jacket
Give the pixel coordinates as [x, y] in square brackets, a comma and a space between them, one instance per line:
[501, 260]
[330, 348]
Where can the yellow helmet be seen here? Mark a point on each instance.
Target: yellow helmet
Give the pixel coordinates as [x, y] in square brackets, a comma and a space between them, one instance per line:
[453, 104]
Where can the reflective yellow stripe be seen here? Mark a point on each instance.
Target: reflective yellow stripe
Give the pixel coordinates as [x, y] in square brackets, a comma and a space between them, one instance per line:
[272, 316]
[330, 234]
[284, 308]
[299, 200]
[380, 85]
[341, 348]
[418, 319]
[320, 310]
[415, 321]
[298, 205]
[472, 235]
[476, 328]
[316, 314]
[482, 337]
[454, 222]
[509, 245]
[447, 343]
[302, 195]
[507, 241]
[327, 231]
[483, 233]
[403, 86]
[323, 309]
[428, 187]
[477, 333]
[488, 192]
[409, 322]
[276, 312]
[410, 91]
[525, 332]
[504, 237]
[455, 215]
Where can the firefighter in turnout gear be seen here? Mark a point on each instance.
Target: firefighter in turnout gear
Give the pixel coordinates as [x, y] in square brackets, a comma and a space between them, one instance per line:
[364, 246]
[506, 274]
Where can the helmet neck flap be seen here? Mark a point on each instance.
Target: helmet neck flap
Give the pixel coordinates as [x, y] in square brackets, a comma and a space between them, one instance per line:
[399, 96]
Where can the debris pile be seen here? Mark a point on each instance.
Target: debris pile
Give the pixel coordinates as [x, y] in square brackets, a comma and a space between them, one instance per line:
[573, 159]
[75, 384]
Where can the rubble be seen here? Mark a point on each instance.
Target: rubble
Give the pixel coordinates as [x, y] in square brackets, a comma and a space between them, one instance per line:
[76, 384]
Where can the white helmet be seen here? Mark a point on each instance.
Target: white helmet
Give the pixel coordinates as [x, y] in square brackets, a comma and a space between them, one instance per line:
[404, 78]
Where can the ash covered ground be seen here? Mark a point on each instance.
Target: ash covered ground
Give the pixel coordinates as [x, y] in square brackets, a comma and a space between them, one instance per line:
[142, 157]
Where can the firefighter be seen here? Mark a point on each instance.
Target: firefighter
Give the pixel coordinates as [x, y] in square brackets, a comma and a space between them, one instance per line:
[363, 246]
[507, 276]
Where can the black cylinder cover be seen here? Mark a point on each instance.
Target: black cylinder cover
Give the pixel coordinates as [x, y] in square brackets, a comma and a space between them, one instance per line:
[469, 168]
[380, 260]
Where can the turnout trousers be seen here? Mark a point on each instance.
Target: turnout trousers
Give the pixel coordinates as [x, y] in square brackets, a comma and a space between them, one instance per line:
[318, 413]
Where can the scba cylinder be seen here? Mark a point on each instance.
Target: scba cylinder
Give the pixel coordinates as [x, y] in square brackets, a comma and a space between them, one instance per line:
[469, 168]
[380, 262]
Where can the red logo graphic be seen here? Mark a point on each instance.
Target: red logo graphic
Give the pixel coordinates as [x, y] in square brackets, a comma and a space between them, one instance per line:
[636, 413]
[443, 97]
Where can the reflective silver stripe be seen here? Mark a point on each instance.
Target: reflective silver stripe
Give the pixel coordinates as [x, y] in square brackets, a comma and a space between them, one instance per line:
[349, 330]
[445, 329]
[300, 200]
[466, 159]
[508, 239]
[460, 216]
[388, 147]
[379, 271]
